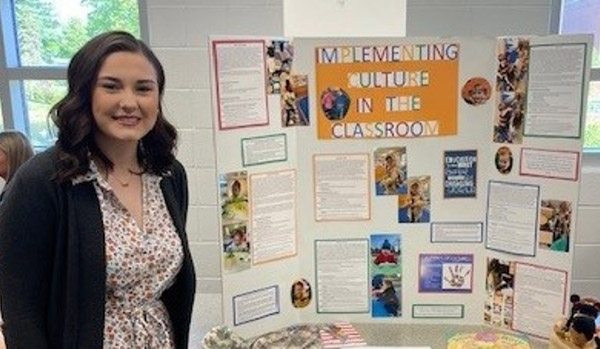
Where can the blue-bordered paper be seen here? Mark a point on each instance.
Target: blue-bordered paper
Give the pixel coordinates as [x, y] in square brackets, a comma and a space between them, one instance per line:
[245, 307]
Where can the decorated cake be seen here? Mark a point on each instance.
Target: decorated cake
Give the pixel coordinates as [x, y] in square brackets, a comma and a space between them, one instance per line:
[487, 340]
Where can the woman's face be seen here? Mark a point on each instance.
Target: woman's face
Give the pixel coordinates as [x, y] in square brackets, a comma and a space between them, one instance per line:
[125, 99]
[3, 164]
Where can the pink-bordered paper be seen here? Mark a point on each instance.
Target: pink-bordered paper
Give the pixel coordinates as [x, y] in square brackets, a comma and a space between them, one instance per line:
[560, 157]
[516, 279]
[253, 234]
[261, 120]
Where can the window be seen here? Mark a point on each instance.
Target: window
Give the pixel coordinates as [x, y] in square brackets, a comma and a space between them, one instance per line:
[582, 16]
[38, 39]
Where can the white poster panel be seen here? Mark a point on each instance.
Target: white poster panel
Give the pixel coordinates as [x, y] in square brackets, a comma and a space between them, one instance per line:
[273, 222]
[241, 87]
[540, 297]
[555, 99]
[342, 276]
[342, 187]
[512, 216]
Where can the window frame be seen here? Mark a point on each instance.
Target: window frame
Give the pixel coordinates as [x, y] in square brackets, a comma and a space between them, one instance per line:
[590, 155]
[12, 75]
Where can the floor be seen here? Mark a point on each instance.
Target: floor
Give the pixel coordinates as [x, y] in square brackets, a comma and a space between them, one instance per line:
[207, 314]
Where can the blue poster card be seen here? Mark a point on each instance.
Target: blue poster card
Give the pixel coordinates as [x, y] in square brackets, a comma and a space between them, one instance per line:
[460, 174]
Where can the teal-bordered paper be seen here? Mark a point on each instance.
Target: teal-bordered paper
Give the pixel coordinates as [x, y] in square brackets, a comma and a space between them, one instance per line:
[461, 306]
[582, 97]
[319, 311]
[282, 158]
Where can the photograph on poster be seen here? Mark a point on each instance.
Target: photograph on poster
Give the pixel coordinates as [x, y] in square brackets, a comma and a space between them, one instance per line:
[335, 103]
[555, 225]
[241, 91]
[294, 101]
[234, 197]
[301, 293]
[499, 285]
[511, 87]
[386, 275]
[387, 91]
[445, 273]
[460, 174]
[504, 160]
[236, 247]
[476, 91]
[415, 206]
[279, 59]
[342, 275]
[390, 171]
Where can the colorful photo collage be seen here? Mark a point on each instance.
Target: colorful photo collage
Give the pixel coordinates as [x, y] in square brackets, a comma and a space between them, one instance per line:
[233, 189]
[292, 88]
[386, 275]
[511, 87]
[499, 286]
[391, 178]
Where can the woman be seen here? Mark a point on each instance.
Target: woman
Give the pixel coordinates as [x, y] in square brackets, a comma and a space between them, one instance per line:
[15, 149]
[105, 262]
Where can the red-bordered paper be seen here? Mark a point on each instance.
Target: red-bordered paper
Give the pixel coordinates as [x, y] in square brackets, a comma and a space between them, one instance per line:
[240, 83]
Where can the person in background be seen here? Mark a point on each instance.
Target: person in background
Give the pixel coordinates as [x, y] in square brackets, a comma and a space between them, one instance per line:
[15, 149]
[92, 231]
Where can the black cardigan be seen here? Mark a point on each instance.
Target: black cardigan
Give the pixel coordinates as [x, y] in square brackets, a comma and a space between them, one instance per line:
[52, 260]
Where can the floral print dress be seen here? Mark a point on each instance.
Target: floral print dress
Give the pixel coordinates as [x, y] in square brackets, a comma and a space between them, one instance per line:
[140, 265]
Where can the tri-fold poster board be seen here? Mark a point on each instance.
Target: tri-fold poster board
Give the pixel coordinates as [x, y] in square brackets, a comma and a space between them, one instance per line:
[411, 180]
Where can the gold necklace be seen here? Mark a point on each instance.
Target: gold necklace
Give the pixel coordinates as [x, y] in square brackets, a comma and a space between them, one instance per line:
[123, 183]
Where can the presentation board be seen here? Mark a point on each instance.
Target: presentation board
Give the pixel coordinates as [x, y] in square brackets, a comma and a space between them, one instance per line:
[411, 180]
